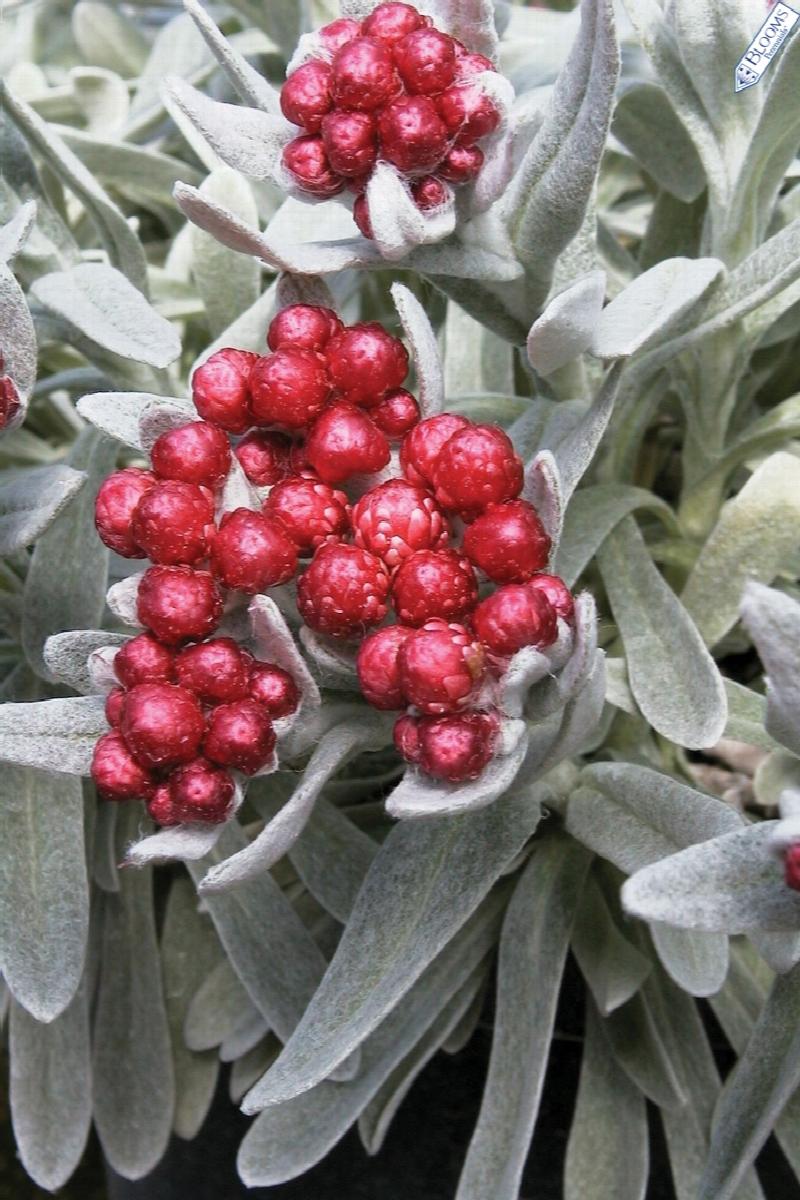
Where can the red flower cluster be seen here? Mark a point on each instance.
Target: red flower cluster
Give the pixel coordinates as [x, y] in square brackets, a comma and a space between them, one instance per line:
[182, 720]
[316, 412]
[391, 87]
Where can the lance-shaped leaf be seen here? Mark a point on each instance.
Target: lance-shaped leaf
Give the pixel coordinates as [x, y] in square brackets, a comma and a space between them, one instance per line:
[405, 914]
[66, 580]
[737, 550]
[105, 307]
[290, 1137]
[189, 949]
[764, 1079]
[281, 983]
[471, 21]
[53, 735]
[533, 948]
[543, 490]
[280, 833]
[652, 304]
[697, 961]
[418, 330]
[14, 233]
[247, 139]
[51, 1090]
[17, 342]
[554, 692]
[645, 122]
[66, 656]
[122, 597]
[134, 1088]
[118, 413]
[660, 638]
[547, 199]
[730, 884]
[419, 796]
[121, 243]
[216, 1007]
[227, 282]
[251, 86]
[31, 501]
[634, 816]
[332, 857]
[773, 619]
[44, 900]
[566, 327]
[608, 1147]
[613, 968]
[592, 514]
[186, 843]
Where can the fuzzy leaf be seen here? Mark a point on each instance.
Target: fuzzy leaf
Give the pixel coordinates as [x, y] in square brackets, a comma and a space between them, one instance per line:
[66, 582]
[737, 549]
[118, 413]
[44, 900]
[591, 515]
[419, 796]
[654, 302]
[216, 1007]
[273, 642]
[66, 656]
[613, 968]
[227, 281]
[246, 139]
[763, 1081]
[107, 39]
[18, 340]
[31, 501]
[281, 983]
[574, 451]
[251, 86]
[698, 962]
[134, 1088]
[773, 619]
[189, 949]
[533, 948]
[398, 225]
[53, 735]
[608, 1147]
[405, 914]
[549, 194]
[417, 328]
[100, 303]
[543, 490]
[14, 233]
[747, 711]
[290, 1137]
[332, 857]
[186, 843]
[660, 638]
[645, 122]
[121, 243]
[50, 1090]
[730, 884]
[566, 327]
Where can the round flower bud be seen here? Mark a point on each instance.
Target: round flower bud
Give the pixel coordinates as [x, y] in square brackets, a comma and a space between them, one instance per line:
[412, 134]
[162, 724]
[557, 593]
[508, 542]
[364, 362]
[441, 668]
[477, 467]
[273, 688]
[303, 327]
[144, 660]
[392, 21]
[200, 792]
[397, 413]
[344, 442]
[178, 604]
[116, 773]
[240, 736]
[461, 164]
[306, 161]
[397, 518]
[114, 507]
[421, 447]
[379, 669]
[351, 141]
[434, 583]
[338, 33]
[252, 552]
[197, 453]
[264, 456]
[220, 389]
[216, 671]
[306, 95]
[515, 616]
[364, 75]
[426, 60]
[311, 511]
[343, 591]
[289, 388]
[468, 113]
[171, 523]
[457, 748]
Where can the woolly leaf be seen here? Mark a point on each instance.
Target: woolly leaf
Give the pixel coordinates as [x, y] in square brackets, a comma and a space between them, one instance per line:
[566, 327]
[574, 451]
[730, 884]
[18, 339]
[189, 950]
[54, 735]
[737, 550]
[608, 1147]
[216, 1007]
[246, 139]
[543, 490]
[66, 655]
[118, 413]
[332, 857]
[533, 948]
[398, 225]
[698, 962]
[66, 582]
[405, 914]
[774, 622]
[44, 901]
[645, 122]
[281, 983]
[251, 86]
[31, 501]
[121, 599]
[634, 816]
[50, 1090]
[14, 233]
[660, 638]
[613, 968]
[417, 327]
[592, 513]
[101, 304]
[133, 1079]
[764, 1079]
[227, 281]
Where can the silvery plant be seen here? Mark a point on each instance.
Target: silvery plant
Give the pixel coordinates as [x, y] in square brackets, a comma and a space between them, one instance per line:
[620, 291]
